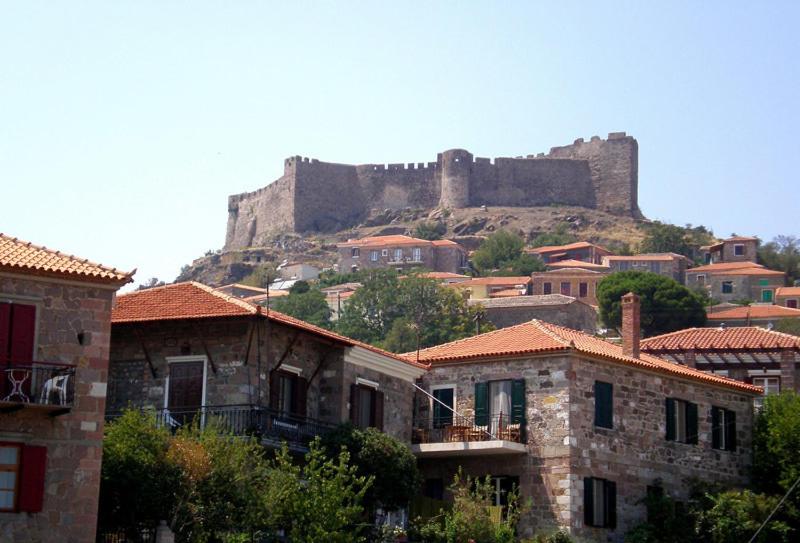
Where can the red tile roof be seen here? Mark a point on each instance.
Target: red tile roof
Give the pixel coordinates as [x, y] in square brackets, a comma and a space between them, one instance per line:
[734, 337]
[538, 337]
[753, 271]
[443, 275]
[724, 267]
[494, 281]
[181, 301]
[754, 312]
[25, 257]
[645, 257]
[741, 238]
[787, 291]
[572, 264]
[506, 293]
[567, 247]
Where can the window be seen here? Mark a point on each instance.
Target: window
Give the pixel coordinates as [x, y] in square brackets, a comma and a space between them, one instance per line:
[566, 289]
[499, 403]
[501, 486]
[416, 254]
[366, 406]
[373, 256]
[356, 252]
[583, 290]
[701, 279]
[727, 287]
[443, 405]
[771, 385]
[384, 252]
[603, 404]
[398, 255]
[791, 304]
[723, 429]
[766, 295]
[681, 421]
[22, 471]
[17, 330]
[738, 250]
[547, 288]
[288, 393]
[599, 503]
[763, 282]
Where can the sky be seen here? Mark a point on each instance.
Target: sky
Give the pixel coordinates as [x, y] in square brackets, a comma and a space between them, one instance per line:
[124, 126]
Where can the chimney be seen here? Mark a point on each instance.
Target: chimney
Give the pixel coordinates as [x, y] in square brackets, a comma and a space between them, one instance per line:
[631, 328]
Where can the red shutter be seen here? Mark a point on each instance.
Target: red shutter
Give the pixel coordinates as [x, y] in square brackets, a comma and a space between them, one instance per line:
[31, 488]
[23, 328]
[5, 331]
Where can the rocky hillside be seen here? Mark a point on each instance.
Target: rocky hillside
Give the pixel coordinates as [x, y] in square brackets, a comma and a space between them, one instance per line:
[467, 226]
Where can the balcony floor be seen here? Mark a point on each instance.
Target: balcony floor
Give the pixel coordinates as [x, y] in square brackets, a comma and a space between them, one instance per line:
[468, 448]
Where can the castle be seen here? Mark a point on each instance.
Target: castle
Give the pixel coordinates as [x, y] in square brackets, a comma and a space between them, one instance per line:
[314, 196]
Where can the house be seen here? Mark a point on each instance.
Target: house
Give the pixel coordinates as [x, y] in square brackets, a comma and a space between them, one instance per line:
[788, 297]
[55, 314]
[670, 265]
[493, 287]
[578, 282]
[238, 290]
[734, 281]
[751, 315]
[190, 352]
[298, 271]
[337, 295]
[580, 426]
[402, 253]
[759, 356]
[446, 278]
[572, 264]
[733, 249]
[581, 250]
[558, 309]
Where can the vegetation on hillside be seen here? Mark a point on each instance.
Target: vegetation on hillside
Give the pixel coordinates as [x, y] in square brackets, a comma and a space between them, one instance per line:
[670, 238]
[304, 303]
[502, 253]
[782, 254]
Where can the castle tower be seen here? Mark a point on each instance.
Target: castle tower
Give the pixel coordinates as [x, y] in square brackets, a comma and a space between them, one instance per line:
[456, 169]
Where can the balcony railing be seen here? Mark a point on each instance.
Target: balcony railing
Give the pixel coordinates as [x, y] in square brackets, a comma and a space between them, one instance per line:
[455, 428]
[41, 385]
[271, 426]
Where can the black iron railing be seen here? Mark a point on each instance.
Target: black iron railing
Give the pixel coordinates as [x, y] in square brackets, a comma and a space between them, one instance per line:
[270, 425]
[456, 428]
[37, 383]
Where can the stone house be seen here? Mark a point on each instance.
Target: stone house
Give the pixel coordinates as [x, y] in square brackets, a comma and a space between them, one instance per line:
[298, 271]
[788, 297]
[733, 249]
[565, 311]
[581, 426]
[729, 281]
[667, 264]
[573, 264]
[750, 315]
[582, 251]
[402, 253]
[578, 282]
[494, 287]
[759, 356]
[189, 352]
[55, 314]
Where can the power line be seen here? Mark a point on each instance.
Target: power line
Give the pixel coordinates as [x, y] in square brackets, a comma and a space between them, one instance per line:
[774, 511]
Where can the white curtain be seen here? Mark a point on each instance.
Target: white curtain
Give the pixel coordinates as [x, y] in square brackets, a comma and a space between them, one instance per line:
[500, 403]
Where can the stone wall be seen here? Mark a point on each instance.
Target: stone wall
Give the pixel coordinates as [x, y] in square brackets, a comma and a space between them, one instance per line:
[73, 440]
[504, 312]
[323, 197]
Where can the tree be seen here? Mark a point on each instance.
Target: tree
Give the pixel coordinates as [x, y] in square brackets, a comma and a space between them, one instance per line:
[736, 515]
[502, 254]
[776, 442]
[788, 326]
[151, 283]
[430, 230]
[392, 313]
[389, 461]
[666, 305]
[305, 304]
[558, 236]
[669, 238]
[782, 254]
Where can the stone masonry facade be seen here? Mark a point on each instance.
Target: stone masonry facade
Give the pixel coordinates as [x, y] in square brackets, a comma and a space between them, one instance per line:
[315, 196]
[64, 310]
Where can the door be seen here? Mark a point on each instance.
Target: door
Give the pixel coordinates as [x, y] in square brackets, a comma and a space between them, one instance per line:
[185, 392]
[443, 407]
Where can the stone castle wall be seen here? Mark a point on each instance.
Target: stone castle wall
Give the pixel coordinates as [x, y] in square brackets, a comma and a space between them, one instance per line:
[314, 196]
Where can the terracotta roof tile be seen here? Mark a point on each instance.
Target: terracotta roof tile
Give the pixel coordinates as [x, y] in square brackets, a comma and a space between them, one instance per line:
[787, 291]
[752, 271]
[724, 267]
[505, 293]
[538, 337]
[754, 312]
[657, 257]
[571, 264]
[494, 281]
[567, 247]
[734, 337]
[22, 256]
[443, 275]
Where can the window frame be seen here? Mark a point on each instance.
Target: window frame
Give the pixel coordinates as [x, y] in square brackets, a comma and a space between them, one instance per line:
[355, 252]
[565, 291]
[738, 249]
[583, 290]
[765, 379]
[4, 468]
[726, 287]
[686, 420]
[723, 429]
[398, 254]
[605, 507]
[373, 255]
[435, 388]
[603, 417]
[547, 287]
[416, 254]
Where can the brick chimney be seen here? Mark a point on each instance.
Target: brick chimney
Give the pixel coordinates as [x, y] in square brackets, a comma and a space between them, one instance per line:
[631, 328]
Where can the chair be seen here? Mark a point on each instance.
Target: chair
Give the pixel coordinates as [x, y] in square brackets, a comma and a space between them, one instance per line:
[57, 386]
[478, 433]
[511, 432]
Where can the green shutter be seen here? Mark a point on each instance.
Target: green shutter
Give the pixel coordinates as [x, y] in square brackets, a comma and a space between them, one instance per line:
[481, 404]
[603, 404]
[518, 401]
[716, 434]
[588, 501]
[691, 423]
[670, 419]
[730, 430]
[766, 296]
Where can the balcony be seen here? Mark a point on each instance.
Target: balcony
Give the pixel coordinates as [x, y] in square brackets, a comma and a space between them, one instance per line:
[461, 436]
[270, 426]
[43, 386]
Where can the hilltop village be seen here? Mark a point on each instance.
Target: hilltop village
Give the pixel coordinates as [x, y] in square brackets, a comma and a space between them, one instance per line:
[577, 377]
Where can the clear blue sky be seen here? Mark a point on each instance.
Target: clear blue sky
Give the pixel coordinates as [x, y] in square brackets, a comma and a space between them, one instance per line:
[124, 126]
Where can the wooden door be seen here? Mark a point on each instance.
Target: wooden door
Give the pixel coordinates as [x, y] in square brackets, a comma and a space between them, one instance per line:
[185, 394]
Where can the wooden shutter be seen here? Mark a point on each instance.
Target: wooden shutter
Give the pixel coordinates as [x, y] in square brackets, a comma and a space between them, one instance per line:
[603, 404]
[23, 328]
[354, 404]
[274, 389]
[377, 409]
[691, 423]
[610, 494]
[670, 419]
[300, 396]
[730, 430]
[518, 401]
[588, 501]
[481, 404]
[5, 331]
[716, 431]
[33, 468]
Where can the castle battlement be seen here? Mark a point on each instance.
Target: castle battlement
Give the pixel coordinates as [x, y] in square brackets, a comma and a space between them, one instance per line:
[313, 195]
